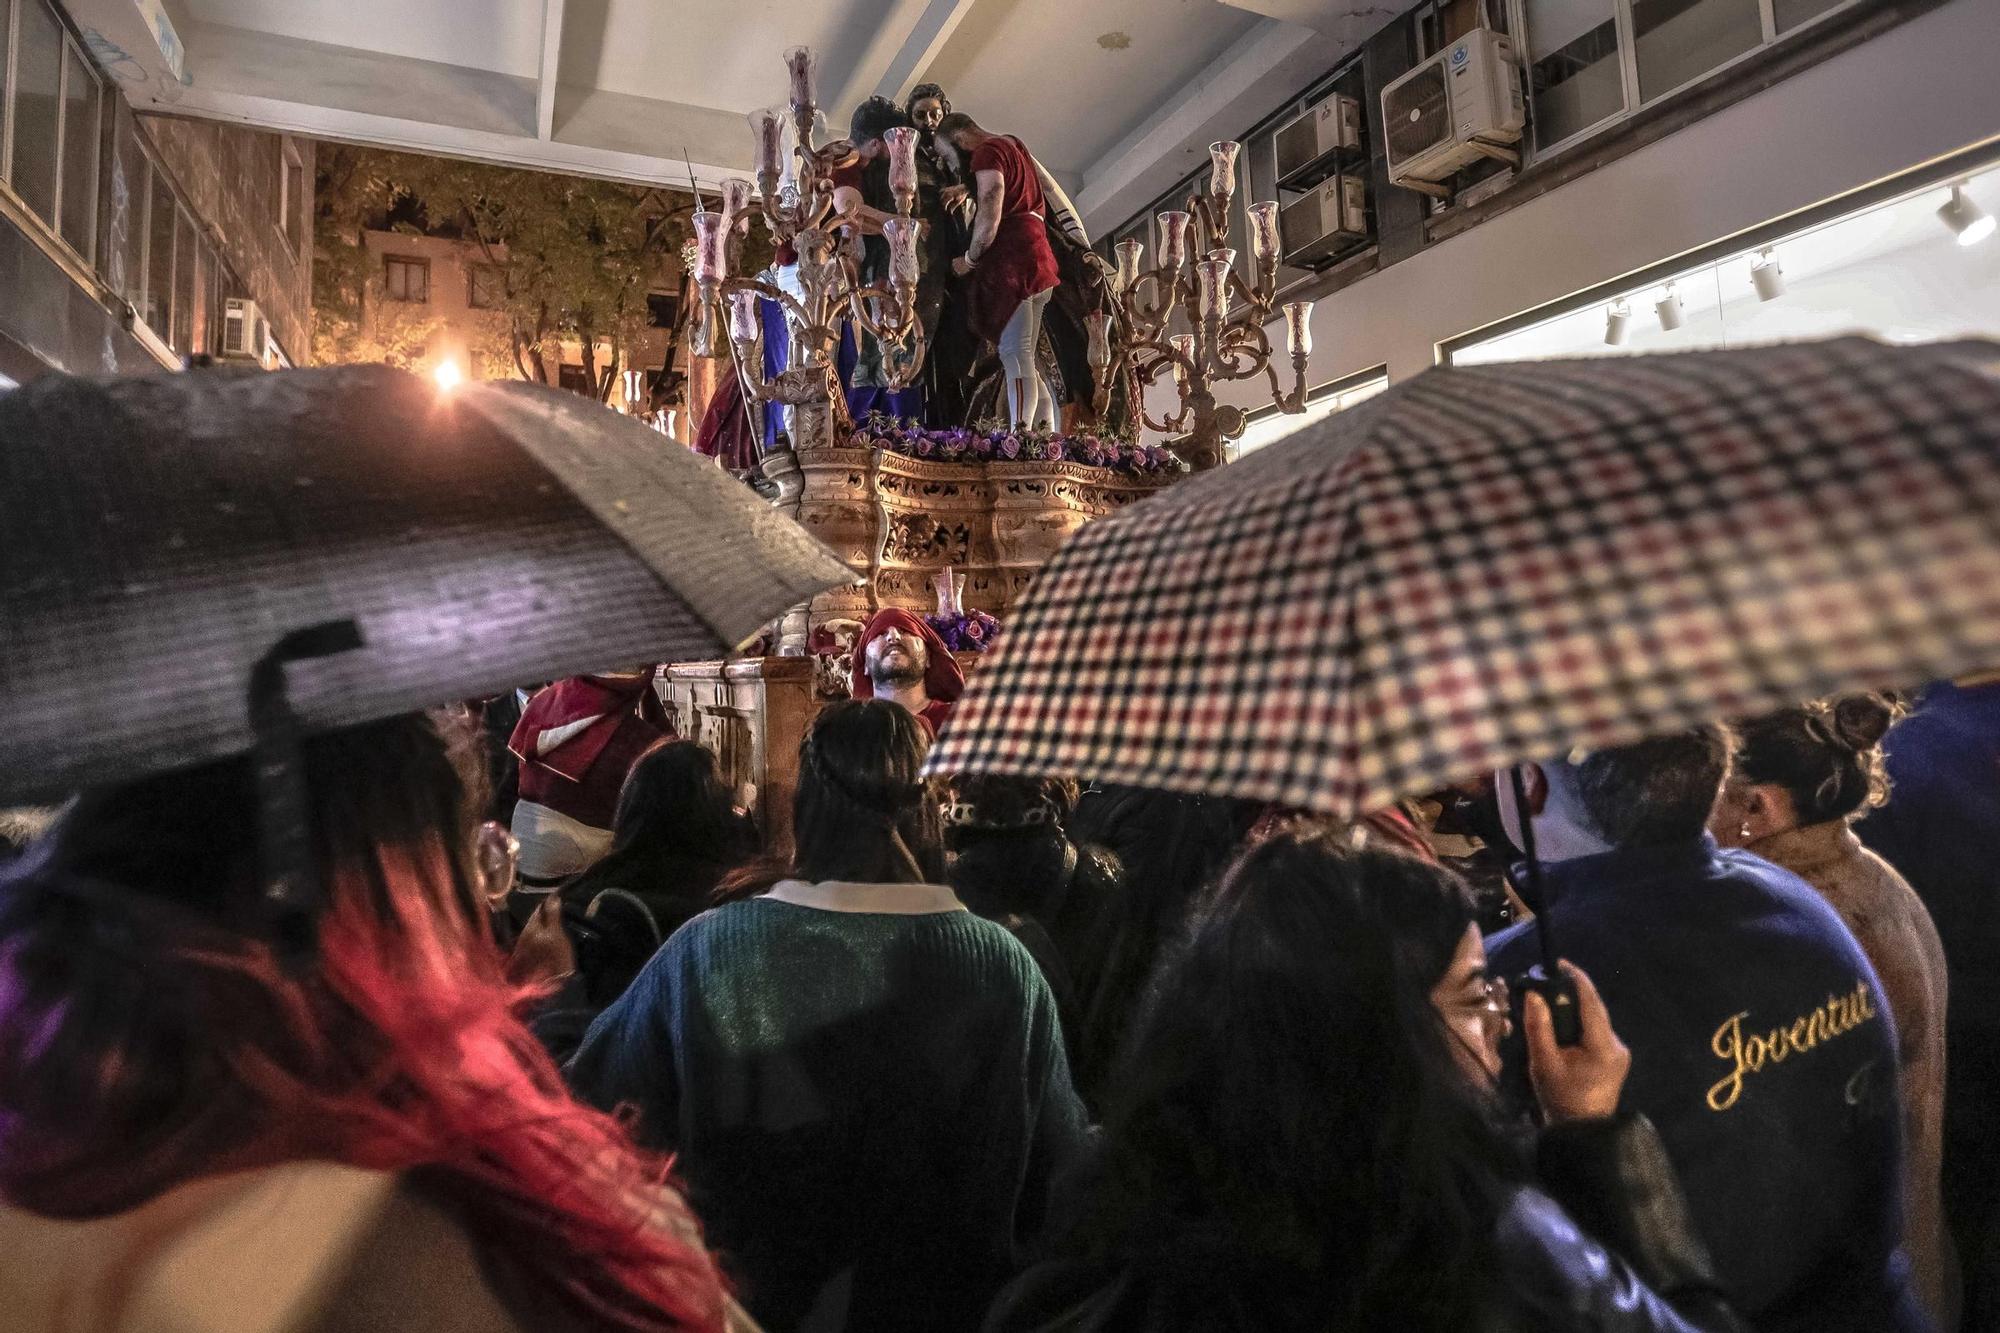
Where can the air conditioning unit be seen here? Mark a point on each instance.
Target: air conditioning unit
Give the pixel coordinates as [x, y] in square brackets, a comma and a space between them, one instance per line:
[1326, 221]
[1448, 112]
[245, 333]
[1306, 144]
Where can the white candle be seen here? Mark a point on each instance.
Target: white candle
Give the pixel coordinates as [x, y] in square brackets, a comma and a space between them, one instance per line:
[745, 320]
[1130, 250]
[803, 66]
[1298, 327]
[767, 131]
[901, 233]
[711, 262]
[902, 143]
[1264, 231]
[1212, 286]
[1222, 172]
[1173, 239]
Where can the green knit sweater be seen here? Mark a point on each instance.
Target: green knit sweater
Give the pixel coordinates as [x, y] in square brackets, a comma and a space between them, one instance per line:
[867, 1089]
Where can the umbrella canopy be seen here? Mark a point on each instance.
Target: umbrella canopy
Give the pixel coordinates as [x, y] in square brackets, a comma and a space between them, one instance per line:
[159, 535]
[1502, 563]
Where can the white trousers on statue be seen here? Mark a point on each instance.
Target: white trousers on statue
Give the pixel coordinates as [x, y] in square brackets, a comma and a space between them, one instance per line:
[1030, 401]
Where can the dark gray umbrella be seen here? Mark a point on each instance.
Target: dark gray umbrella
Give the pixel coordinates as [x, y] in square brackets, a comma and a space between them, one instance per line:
[161, 536]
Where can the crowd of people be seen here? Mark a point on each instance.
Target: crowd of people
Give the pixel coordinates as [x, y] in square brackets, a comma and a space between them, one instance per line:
[1007, 1054]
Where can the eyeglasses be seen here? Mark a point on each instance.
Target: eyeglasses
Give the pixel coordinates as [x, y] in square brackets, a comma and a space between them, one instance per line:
[1494, 1002]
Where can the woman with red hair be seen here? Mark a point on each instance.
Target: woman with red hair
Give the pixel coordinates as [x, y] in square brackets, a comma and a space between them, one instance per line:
[204, 1125]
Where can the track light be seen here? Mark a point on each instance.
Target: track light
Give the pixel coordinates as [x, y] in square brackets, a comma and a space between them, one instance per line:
[1968, 221]
[1768, 277]
[1617, 324]
[1670, 310]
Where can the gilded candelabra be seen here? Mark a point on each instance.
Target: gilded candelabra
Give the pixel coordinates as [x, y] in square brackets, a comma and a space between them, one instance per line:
[1132, 341]
[800, 215]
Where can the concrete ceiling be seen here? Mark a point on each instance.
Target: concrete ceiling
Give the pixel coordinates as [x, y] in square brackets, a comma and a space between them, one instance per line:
[1116, 96]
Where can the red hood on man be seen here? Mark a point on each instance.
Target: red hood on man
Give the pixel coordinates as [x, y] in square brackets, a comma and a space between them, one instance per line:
[566, 726]
[943, 681]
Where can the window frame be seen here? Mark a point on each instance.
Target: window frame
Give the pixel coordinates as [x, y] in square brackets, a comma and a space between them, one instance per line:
[497, 274]
[72, 56]
[1628, 67]
[417, 262]
[289, 208]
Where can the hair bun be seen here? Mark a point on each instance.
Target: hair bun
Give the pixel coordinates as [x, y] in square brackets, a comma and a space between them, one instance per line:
[1859, 721]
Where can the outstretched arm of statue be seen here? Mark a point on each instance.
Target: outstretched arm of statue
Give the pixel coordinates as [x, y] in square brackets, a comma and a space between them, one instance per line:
[848, 207]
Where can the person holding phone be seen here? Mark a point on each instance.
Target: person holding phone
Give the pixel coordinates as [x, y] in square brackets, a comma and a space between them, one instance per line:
[1307, 1134]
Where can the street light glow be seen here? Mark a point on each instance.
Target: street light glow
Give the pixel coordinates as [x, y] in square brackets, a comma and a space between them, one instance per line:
[447, 375]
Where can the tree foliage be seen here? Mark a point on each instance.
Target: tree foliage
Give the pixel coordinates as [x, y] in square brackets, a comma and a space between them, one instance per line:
[577, 257]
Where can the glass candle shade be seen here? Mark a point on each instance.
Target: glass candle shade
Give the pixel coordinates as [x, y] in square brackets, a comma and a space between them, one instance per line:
[1222, 168]
[1298, 327]
[1183, 345]
[1173, 239]
[744, 318]
[901, 233]
[1211, 284]
[767, 134]
[736, 196]
[1264, 231]
[902, 142]
[802, 66]
[1130, 252]
[1098, 324]
[711, 263]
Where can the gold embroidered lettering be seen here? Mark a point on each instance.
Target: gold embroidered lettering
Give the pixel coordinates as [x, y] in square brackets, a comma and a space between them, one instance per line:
[1749, 1054]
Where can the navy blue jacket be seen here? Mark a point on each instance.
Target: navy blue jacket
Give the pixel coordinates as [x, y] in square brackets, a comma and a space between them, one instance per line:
[1764, 1051]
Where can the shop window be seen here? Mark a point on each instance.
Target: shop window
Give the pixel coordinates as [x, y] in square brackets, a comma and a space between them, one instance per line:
[486, 287]
[124, 259]
[1790, 14]
[292, 203]
[36, 108]
[1575, 76]
[159, 304]
[407, 279]
[1678, 41]
[79, 155]
[1269, 426]
[184, 283]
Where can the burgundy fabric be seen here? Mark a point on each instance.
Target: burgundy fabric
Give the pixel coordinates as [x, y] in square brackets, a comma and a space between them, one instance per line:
[1019, 262]
[943, 680]
[581, 777]
[725, 432]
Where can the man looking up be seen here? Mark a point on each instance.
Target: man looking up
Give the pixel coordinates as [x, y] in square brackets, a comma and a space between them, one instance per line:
[1762, 1046]
[900, 658]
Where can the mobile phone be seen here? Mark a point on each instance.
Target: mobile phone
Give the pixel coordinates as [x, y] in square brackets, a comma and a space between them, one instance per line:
[1559, 992]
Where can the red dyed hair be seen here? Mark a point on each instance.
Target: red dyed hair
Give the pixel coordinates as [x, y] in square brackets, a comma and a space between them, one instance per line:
[149, 1036]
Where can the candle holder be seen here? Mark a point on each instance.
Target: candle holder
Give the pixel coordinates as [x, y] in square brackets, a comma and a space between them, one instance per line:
[799, 214]
[1223, 346]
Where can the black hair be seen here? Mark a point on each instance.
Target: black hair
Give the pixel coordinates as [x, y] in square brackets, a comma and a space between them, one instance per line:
[1291, 1106]
[955, 123]
[860, 812]
[1006, 849]
[675, 821]
[1827, 755]
[1657, 791]
[922, 92]
[874, 118]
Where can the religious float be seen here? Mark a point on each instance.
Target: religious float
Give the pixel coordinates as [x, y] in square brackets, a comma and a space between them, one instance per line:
[939, 520]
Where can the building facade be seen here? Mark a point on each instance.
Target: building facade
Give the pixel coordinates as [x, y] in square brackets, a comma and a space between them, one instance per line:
[435, 301]
[125, 239]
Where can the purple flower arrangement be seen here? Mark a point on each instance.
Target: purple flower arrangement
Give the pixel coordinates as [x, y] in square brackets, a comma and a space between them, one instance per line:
[969, 632]
[1001, 445]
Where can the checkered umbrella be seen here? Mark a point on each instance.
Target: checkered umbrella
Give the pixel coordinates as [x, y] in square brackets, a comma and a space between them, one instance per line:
[1498, 563]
